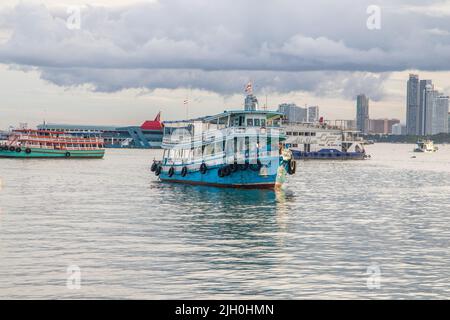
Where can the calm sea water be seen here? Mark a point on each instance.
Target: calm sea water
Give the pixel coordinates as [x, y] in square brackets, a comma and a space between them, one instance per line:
[367, 229]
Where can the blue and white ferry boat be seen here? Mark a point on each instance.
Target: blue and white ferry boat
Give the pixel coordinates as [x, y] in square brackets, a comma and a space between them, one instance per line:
[239, 149]
[320, 141]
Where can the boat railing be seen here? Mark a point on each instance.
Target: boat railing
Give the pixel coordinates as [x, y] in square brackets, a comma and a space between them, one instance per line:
[210, 135]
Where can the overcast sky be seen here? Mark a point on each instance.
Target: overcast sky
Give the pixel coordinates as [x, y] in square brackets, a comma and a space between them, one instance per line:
[130, 59]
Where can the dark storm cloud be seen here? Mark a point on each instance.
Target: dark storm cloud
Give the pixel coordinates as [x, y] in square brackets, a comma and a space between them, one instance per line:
[219, 45]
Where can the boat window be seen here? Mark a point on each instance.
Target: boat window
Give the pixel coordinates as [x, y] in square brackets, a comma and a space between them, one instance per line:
[313, 134]
[289, 133]
[257, 123]
[249, 122]
[241, 121]
[209, 150]
[198, 152]
[218, 147]
[307, 134]
[295, 133]
[263, 122]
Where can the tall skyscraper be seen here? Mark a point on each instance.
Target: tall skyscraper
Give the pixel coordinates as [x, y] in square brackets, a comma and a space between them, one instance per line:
[440, 115]
[413, 105]
[422, 107]
[362, 113]
[429, 105]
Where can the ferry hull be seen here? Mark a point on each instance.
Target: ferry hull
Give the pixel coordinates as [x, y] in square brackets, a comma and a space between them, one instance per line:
[244, 179]
[49, 153]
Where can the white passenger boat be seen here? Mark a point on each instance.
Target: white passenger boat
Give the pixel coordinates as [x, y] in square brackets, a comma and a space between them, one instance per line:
[426, 146]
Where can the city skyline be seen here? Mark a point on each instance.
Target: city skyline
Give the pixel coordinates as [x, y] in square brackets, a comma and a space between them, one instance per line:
[123, 65]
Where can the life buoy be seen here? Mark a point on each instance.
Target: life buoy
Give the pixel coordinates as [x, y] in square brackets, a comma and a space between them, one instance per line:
[158, 171]
[292, 166]
[256, 166]
[234, 167]
[243, 166]
[67, 154]
[171, 171]
[184, 171]
[220, 173]
[5, 148]
[203, 168]
[28, 150]
[12, 149]
[226, 170]
[18, 149]
[153, 167]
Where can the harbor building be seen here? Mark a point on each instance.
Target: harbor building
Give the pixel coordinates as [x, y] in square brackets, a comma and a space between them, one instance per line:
[413, 105]
[362, 113]
[293, 113]
[422, 105]
[440, 115]
[147, 136]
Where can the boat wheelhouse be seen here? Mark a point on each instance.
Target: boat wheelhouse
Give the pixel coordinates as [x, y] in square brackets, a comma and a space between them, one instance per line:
[322, 141]
[27, 143]
[231, 149]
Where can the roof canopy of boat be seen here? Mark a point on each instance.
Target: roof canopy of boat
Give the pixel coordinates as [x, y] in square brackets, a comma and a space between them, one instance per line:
[227, 117]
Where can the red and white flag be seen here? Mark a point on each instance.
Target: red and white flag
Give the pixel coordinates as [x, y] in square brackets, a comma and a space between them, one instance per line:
[249, 88]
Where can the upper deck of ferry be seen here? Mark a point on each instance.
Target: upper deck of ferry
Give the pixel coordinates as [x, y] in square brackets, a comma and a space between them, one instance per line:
[228, 122]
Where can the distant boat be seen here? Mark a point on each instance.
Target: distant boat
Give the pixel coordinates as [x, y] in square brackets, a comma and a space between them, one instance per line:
[27, 143]
[237, 149]
[426, 146]
[320, 141]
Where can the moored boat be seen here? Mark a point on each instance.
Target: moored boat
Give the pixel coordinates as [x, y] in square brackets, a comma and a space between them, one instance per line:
[426, 146]
[320, 141]
[238, 149]
[27, 143]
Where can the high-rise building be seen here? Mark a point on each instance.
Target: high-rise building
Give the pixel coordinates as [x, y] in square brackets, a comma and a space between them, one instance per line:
[448, 130]
[293, 113]
[362, 113]
[313, 114]
[440, 115]
[413, 105]
[429, 105]
[423, 84]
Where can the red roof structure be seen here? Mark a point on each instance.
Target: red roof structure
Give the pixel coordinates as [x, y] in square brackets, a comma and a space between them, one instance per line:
[153, 125]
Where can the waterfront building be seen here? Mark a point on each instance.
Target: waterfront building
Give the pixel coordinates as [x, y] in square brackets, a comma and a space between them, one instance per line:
[413, 105]
[292, 113]
[448, 128]
[147, 136]
[362, 113]
[422, 105]
[440, 115]
[429, 104]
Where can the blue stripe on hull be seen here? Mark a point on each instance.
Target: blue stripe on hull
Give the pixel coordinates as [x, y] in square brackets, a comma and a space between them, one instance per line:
[239, 179]
[328, 155]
